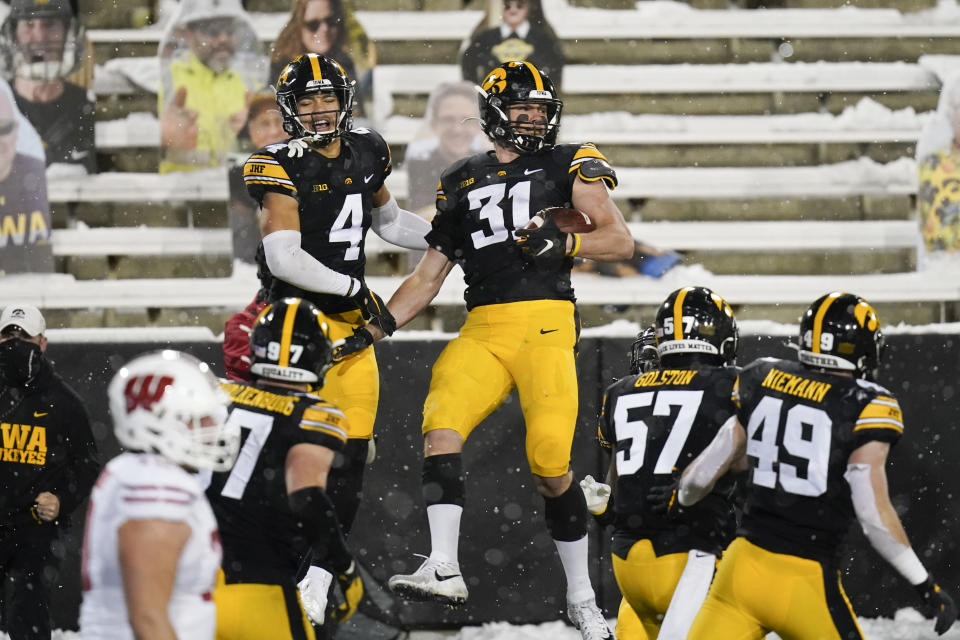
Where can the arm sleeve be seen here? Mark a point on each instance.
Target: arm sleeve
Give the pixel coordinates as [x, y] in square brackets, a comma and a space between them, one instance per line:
[290, 263]
[399, 226]
[605, 431]
[698, 479]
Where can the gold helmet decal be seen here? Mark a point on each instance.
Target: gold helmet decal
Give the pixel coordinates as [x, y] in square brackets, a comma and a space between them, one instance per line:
[866, 316]
[496, 81]
[678, 313]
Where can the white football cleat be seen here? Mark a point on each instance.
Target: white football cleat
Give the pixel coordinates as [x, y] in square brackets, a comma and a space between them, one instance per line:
[587, 617]
[434, 580]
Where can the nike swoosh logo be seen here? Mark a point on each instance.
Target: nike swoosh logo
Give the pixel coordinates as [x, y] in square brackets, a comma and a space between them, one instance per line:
[38, 414]
[527, 172]
[368, 178]
[701, 555]
[544, 332]
[546, 247]
[436, 574]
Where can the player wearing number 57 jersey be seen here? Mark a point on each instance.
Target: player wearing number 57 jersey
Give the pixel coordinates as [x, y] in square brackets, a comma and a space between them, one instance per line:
[319, 194]
[272, 507]
[815, 435]
[521, 330]
[656, 422]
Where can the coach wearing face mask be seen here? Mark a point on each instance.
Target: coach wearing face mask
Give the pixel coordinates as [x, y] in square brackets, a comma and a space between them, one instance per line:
[47, 468]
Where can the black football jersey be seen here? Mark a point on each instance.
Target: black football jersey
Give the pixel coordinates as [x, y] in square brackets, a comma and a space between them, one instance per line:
[335, 197]
[656, 422]
[802, 425]
[257, 527]
[481, 202]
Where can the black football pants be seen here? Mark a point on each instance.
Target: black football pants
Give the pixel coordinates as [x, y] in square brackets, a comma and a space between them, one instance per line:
[28, 568]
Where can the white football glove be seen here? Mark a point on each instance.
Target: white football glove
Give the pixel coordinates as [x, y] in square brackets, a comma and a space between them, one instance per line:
[596, 493]
[313, 593]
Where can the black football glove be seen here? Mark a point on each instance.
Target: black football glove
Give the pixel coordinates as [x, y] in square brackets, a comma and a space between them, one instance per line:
[545, 246]
[662, 498]
[374, 310]
[938, 604]
[351, 587]
[360, 340]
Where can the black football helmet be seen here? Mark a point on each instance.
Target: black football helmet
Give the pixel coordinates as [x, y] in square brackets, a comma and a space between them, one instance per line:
[516, 83]
[644, 355]
[290, 342]
[695, 320]
[841, 331]
[308, 74]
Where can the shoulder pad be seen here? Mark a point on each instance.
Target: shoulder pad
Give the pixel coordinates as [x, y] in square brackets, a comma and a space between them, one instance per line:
[590, 165]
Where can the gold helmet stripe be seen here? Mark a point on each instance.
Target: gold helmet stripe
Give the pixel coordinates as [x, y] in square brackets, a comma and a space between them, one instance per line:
[315, 65]
[537, 79]
[678, 313]
[818, 320]
[286, 337]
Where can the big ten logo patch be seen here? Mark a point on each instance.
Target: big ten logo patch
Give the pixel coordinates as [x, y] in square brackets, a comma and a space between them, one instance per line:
[24, 443]
[19, 229]
[320, 187]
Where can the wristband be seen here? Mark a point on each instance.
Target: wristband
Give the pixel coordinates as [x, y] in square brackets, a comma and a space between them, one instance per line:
[576, 245]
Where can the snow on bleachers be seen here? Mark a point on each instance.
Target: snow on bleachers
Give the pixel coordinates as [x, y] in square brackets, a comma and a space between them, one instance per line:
[58, 291]
[701, 236]
[856, 177]
[866, 122]
[654, 20]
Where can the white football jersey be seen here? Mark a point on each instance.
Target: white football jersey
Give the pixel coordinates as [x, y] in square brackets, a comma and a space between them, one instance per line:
[136, 486]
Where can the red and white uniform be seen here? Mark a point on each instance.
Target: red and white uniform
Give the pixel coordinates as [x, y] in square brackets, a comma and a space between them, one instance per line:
[136, 486]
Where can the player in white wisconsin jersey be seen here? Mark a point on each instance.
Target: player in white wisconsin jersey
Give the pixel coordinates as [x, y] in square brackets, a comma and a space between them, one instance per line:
[151, 548]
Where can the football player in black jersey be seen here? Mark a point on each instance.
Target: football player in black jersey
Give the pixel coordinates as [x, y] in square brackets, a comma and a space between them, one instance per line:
[521, 330]
[319, 193]
[656, 422]
[815, 434]
[272, 508]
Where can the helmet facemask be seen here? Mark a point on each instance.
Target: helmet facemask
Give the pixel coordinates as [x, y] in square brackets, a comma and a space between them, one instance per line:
[307, 76]
[44, 60]
[511, 85]
[171, 404]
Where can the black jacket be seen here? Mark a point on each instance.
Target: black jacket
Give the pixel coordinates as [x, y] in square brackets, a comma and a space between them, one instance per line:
[47, 445]
[489, 49]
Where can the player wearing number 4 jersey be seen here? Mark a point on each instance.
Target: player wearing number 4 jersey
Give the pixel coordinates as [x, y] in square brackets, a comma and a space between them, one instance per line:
[319, 194]
[656, 422]
[272, 507]
[521, 330]
[815, 434]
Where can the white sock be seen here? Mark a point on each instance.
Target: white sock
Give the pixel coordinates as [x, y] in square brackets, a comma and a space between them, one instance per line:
[574, 556]
[444, 531]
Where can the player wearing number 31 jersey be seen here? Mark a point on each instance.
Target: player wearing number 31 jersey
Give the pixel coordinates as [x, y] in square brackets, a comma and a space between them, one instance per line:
[521, 331]
[815, 435]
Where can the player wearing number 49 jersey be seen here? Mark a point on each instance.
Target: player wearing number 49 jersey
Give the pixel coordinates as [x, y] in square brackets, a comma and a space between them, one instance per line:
[656, 422]
[272, 508]
[815, 435]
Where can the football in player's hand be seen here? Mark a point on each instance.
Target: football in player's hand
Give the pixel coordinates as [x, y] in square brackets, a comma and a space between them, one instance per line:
[567, 220]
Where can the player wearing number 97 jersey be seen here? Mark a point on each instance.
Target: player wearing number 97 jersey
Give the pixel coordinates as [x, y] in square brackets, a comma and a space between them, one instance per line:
[656, 422]
[272, 508]
[815, 435]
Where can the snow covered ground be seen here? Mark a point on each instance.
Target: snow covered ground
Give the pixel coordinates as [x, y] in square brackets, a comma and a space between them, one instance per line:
[907, 624]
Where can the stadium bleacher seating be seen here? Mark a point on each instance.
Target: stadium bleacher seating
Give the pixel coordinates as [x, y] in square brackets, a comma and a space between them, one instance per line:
[741, 138]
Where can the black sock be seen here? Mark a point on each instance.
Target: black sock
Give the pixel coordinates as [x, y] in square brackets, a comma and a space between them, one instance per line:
[443, 479]
[345, 482]
[566, 514]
